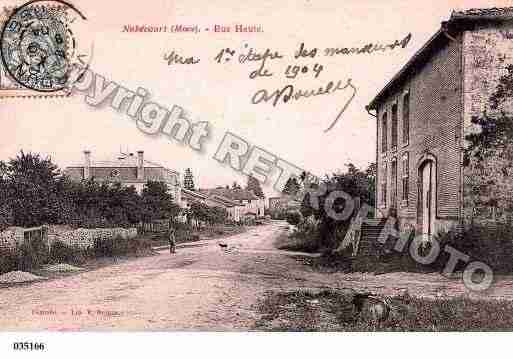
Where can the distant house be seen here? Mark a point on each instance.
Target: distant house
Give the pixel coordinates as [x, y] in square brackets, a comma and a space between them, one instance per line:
[189, 197]
[425, 111]
[284, 202]
[234, 209]
[127, 169]
[252, 205]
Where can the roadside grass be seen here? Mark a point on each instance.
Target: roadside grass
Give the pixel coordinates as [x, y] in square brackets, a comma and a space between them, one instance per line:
[329, 310]
[33, 256]
[297, 242]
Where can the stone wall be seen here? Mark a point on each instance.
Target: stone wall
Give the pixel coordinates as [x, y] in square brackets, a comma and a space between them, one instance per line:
[79, 238]
[487, 51]
[85, 238]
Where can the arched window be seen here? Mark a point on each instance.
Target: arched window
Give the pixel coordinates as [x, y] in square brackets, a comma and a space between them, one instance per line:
[384, 130]
[393, 185]
[406, 118]
[394, 126]
[405, 177]
[384, 176]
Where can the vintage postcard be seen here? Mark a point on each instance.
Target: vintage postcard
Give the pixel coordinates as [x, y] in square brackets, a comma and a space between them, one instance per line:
[217, 166]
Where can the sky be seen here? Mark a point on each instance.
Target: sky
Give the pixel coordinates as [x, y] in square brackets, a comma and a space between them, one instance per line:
[220, 93]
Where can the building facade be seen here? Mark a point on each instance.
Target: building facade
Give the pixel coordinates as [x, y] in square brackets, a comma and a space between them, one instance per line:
[234, 209]
[284, 203]
[127, 169]
[252, 205]
[425, 111]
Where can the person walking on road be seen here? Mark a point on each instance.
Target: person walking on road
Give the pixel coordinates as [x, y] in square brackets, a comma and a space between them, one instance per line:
[172, 240]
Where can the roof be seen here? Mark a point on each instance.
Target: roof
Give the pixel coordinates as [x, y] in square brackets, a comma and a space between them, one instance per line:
[491, 13]
[121, 162]
[457, 22]
[237, 194]
[226, 201]
[195, 194]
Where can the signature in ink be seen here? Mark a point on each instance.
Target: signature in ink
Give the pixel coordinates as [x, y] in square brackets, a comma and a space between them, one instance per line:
[289, 92]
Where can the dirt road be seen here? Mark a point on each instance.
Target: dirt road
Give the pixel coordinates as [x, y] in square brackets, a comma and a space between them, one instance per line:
[199, 288]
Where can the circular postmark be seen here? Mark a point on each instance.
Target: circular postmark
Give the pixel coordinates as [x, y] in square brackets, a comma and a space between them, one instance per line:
[39, 48]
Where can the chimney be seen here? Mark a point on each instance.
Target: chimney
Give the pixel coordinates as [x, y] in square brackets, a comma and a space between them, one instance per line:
[87, 164]
[140, 165]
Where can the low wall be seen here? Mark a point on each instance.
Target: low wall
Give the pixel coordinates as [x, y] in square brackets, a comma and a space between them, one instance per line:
[79, 238]
[86, 238]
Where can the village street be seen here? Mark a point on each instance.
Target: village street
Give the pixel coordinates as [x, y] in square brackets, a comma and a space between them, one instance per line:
[198, 288]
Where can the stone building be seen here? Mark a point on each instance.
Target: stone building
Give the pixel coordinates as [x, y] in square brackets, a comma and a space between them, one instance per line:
[425, 111]
[251, 204]
[233, 208]
[127, 169]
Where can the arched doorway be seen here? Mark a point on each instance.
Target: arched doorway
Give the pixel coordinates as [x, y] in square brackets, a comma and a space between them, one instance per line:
[426, 203]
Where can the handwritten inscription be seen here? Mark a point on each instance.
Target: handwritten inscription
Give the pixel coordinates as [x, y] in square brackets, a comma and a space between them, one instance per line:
[305, 63]
[292, 71]
[175, 58]
[289, 92]
[254, 56]
[368, 48]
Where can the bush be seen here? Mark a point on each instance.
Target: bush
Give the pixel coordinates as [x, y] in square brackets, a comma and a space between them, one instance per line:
[119, 246]
[6, 217]
[278, 214]
[294, 217]
[489, 243]
[8, 260]
[62, 253]
[25, 257]
[305, 239]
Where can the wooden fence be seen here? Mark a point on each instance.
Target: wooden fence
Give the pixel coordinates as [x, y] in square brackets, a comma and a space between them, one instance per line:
[153, 227]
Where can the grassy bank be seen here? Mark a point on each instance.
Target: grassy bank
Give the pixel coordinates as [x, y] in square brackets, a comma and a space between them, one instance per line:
[334, 311]
[297, 242]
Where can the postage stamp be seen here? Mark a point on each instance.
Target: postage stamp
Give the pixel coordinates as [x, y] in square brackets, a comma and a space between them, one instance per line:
[39, 48]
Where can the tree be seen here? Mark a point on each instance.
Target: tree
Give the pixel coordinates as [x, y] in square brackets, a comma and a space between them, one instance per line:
[292, 187]
[254, 185]
[158, 202]
[217, 214]
[355, 183]
[199, 211]
[6, 214]
[35, 191]
[188, 181]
